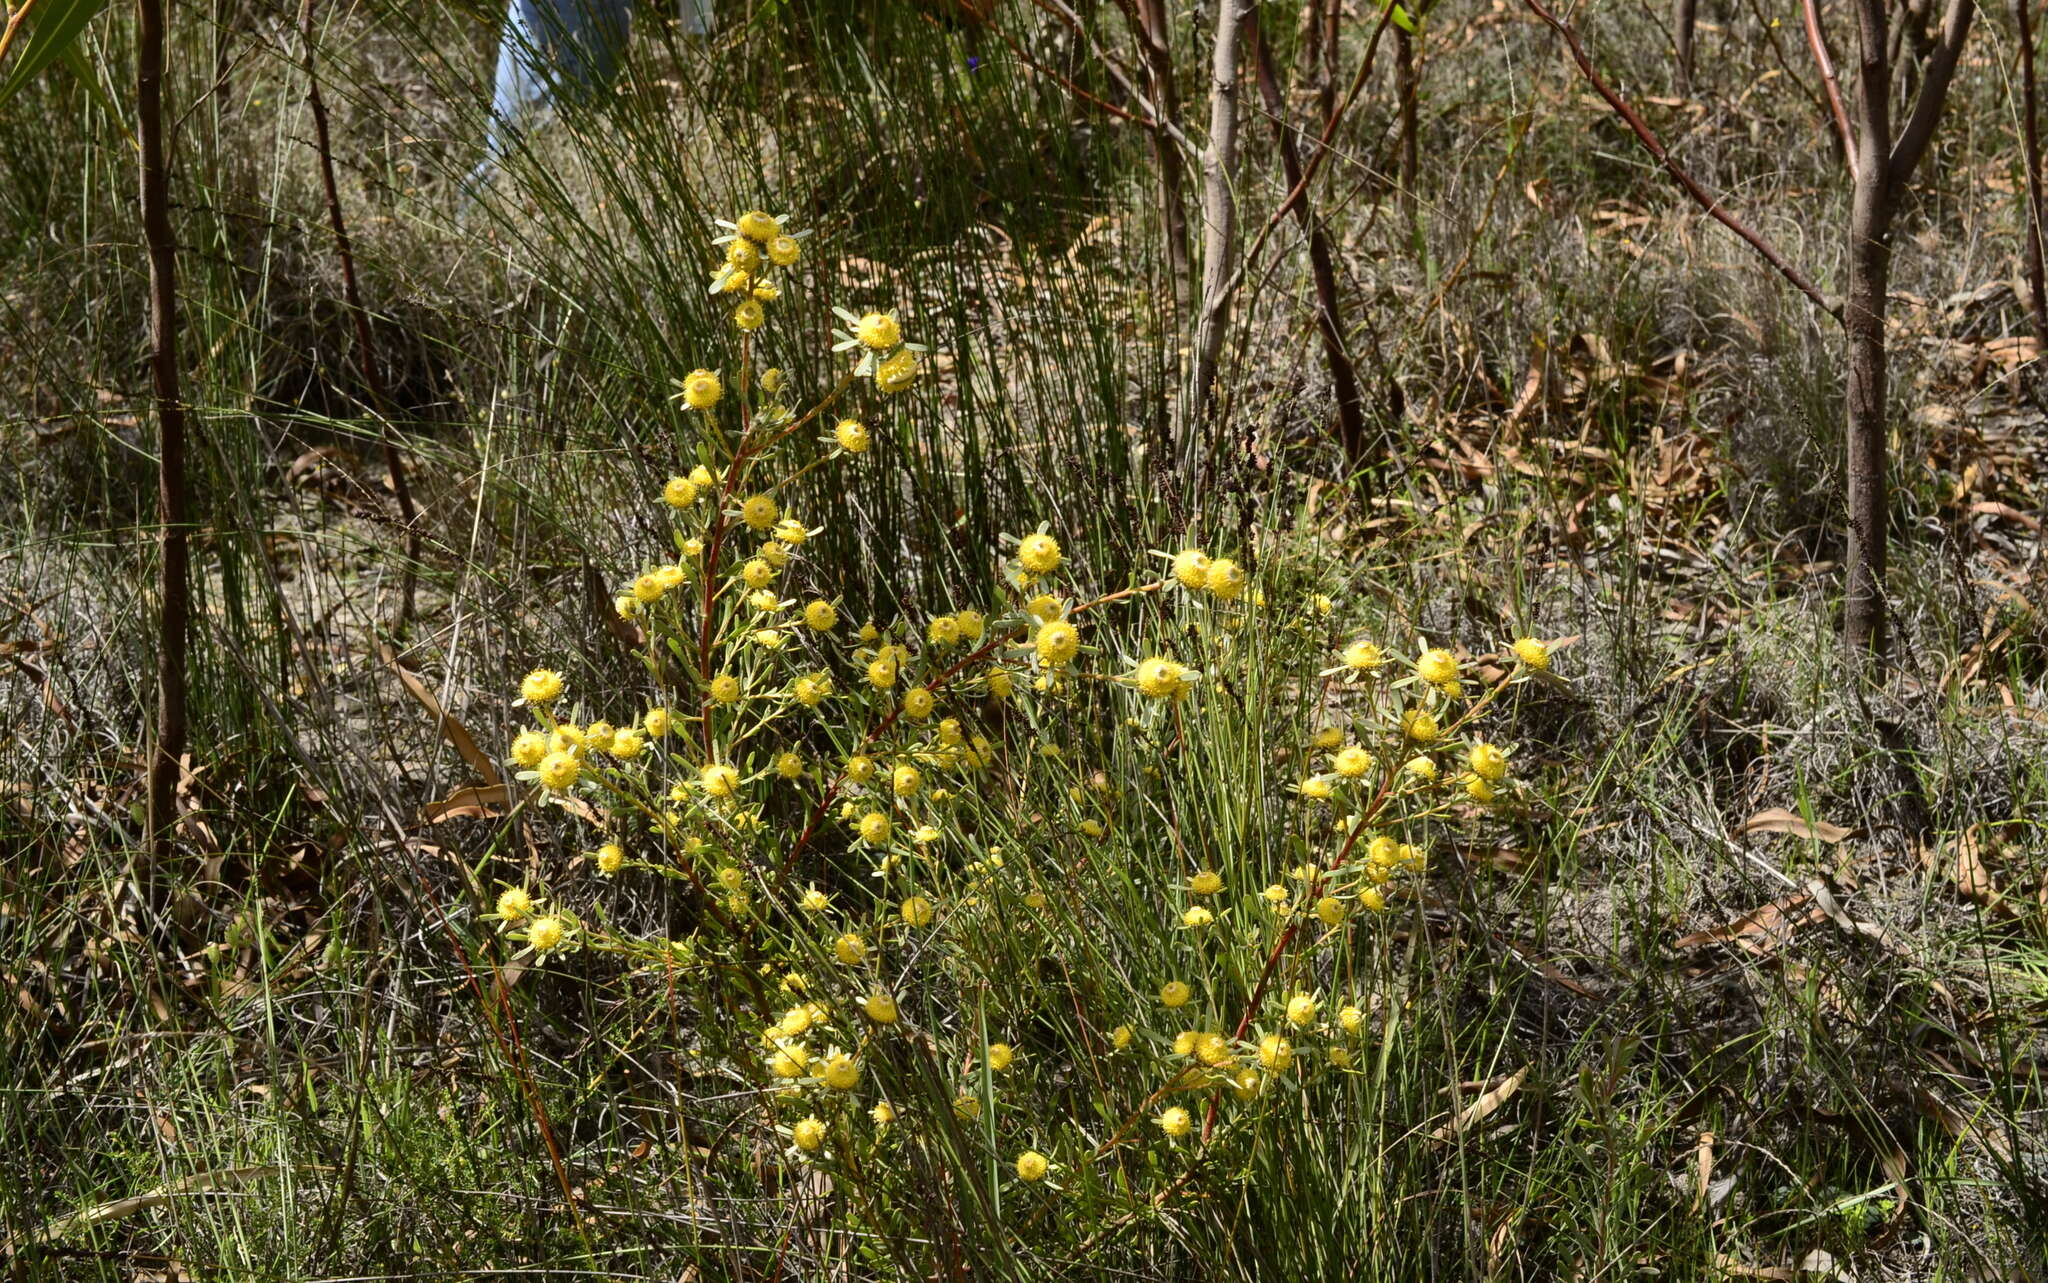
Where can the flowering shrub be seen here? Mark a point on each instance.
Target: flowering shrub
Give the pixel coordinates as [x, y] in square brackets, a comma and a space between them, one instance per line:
[995, 882]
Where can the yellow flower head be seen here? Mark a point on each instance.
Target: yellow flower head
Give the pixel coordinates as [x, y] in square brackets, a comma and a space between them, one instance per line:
[1351, 1019]
[760, 512]
[1351, 762]
[1363, 656]
[1038, 553]
[897, 373]
[725, 688]
[1213, 1050]
[906, 780]
[558, 770]
[680, 492]
[852, 436]
[1175, 993]
[515, 904]
[880, 1008]
[528, 747]
[789, 766]
[1207, 882]
[883, 1113]
[879, 331]
[1000, 684]
[850, 949]
[1031, 1166]
[1419, 725]
[1000, 1054]
[749, 315]
[821, 615]
[1197, 918]
[1174, 1121]
[757, 226]
[1479, 790]
[719, 780]
[1121, 1036]
[1315, 788]
[1058, 643]
[541, 686]
[1438, 667]
[1301, 1010]
[611, 857]
[815, 901]
[917, 911]
[841, 1072]
[1161, 678]
[813, 690]
[702, 390]
[757, 573]
[1225, 578]
[943, 630]
[917, 703]
[743, 254]
[1533, 654]
[656, 722]
[874, 828]
[809, 1135]
[1275, 1053]
[1488, 763]
[783, 251]
[1330, 911]
[771, 378]
[547, 934]
[1191, 568]
[860, 768]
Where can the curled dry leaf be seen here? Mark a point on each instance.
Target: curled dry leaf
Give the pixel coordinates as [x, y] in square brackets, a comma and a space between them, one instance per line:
[1481, 1109]
[458, 734]
[1779, 820]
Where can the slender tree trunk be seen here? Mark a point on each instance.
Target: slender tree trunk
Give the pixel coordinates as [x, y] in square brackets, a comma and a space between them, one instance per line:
[174, 620]
[1406, 86]
[2030, 134]
[366, 351]
[1343, 375]
[1219, 212]
[1685, 16]
[1863, 313]
[1156, 34]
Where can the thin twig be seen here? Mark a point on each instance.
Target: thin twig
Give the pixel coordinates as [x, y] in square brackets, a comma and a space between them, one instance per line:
[1817, 43]
[1706, 200]
[1941, 68]
[14, 22]
[366, 353]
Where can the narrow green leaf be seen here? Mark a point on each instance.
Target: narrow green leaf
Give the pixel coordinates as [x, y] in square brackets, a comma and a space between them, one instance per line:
[51, 31]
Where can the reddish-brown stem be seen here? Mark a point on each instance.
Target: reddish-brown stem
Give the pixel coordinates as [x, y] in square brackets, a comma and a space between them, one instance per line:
[173, 500]
[366, 352]
[1816, 41]
[14, 22]
[2030, 136]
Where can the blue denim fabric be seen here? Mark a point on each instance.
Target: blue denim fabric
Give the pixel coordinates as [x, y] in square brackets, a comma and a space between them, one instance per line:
[553, 49]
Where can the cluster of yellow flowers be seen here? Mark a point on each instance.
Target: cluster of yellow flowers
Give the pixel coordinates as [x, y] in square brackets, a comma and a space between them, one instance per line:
[756, 245]
[870, 817]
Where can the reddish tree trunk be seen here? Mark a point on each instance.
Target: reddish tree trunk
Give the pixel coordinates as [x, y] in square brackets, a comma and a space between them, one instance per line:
[173, 516]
